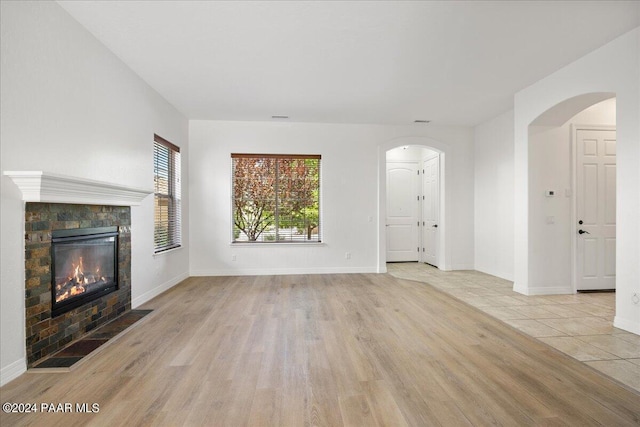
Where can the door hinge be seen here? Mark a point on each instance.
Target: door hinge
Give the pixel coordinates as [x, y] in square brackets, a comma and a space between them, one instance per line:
[418, 248]
[418, 198]
[422, 249]
[418, 171]
[423, 225]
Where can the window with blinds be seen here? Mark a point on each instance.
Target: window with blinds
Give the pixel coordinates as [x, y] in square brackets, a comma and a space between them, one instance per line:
[166, 171]
[276, 198]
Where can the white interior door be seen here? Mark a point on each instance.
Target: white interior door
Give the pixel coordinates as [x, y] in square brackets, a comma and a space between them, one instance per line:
[402, 211]
[596, 209]
[431, 210]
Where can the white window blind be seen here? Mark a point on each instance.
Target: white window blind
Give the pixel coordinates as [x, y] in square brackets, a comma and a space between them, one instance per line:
[276, 198]
[166, 170]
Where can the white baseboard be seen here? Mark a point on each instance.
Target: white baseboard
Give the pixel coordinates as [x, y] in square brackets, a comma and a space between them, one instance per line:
[550, 290]
[499, 274]
[283, 271]
[138, 301]
[627, 325]
[557, 290]
[520, 289]
[13, 371]
[462, 267]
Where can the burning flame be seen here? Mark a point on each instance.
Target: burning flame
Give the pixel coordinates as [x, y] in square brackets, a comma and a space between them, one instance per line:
[77, 282]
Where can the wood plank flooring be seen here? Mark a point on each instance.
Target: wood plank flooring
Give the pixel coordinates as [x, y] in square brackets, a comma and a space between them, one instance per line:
[331, 350]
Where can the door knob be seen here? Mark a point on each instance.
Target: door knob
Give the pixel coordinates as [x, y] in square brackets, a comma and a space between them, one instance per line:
[435, 225]
[583, 232]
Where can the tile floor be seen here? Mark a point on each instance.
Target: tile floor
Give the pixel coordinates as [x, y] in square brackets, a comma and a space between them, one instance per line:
[579, 325]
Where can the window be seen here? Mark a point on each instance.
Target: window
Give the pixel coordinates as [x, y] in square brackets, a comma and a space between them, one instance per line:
[166, 171]
[276, 198]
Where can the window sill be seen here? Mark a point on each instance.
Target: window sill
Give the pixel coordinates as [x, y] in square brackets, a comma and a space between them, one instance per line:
[168, 251]
[274, 244]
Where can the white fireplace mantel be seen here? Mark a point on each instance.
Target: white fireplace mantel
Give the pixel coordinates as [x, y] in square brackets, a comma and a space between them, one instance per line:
[38, 186]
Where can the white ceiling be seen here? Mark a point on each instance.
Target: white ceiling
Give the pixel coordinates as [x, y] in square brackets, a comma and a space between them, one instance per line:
[455, 63]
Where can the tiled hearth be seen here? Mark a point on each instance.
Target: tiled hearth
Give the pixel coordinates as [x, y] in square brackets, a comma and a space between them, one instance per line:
[80, 350]
[46, 334]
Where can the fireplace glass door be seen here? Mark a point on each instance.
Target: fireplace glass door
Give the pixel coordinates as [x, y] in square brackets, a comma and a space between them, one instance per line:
[85, 266]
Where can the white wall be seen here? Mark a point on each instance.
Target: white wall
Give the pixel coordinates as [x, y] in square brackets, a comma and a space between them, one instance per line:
[411, 153]
[350, 188]
[551, 168]
[69, 106]
[493, 197]
[615, 68]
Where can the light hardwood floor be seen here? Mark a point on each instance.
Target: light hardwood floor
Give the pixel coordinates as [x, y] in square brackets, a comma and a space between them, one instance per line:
[580, 325]
[360, 349]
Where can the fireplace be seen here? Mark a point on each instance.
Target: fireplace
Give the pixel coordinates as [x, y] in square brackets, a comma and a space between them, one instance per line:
[57, 235]
[56, 202]
[84, 266]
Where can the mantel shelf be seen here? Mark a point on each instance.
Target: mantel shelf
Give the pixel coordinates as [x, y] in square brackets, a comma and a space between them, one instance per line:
[38, 186]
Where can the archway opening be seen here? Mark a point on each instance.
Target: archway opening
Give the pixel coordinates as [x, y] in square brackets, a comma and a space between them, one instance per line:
[413, 205]
[571, 194]
[421, 153]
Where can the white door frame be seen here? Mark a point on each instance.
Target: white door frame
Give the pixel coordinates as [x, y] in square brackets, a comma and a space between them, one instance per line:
[574, 198]
[423, 256]
[444, 256]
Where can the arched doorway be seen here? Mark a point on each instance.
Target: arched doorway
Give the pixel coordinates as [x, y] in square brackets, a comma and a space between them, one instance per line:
[591, 74]
[413, 205]
[419, 153]
[572, 195]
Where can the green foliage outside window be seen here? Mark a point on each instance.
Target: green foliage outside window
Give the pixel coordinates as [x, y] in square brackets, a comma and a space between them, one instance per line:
[276, 198]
